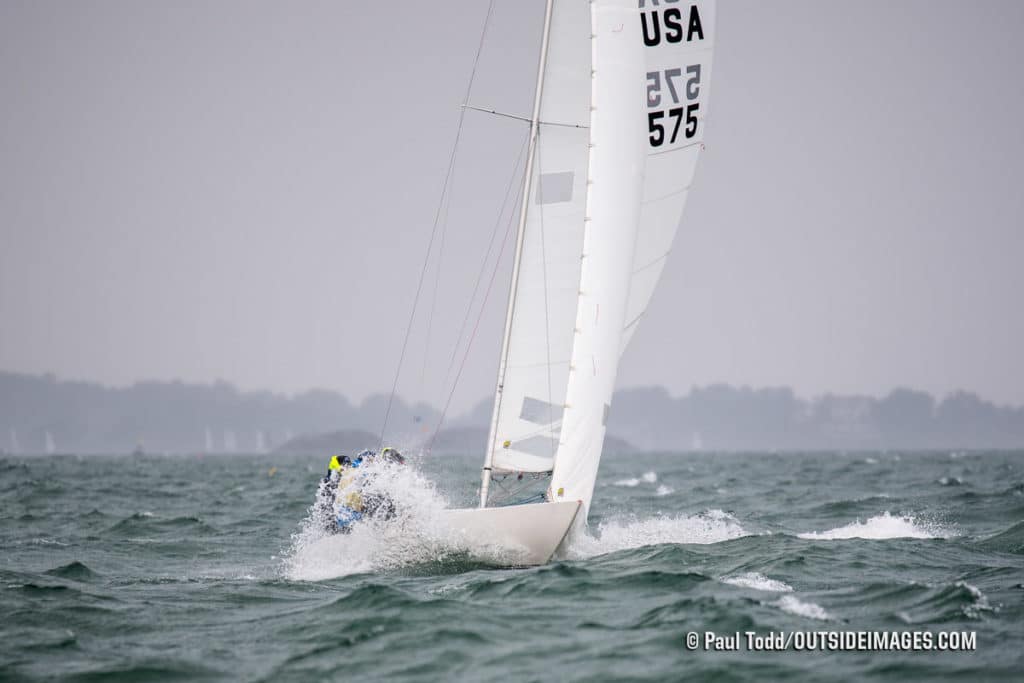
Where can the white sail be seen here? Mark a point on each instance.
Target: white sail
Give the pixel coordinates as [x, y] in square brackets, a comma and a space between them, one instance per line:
[616, 182]
[678, 40]
[601, 214]
[51, 446]
[539, 336]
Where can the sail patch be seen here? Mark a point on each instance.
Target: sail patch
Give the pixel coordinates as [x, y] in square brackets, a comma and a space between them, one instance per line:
[540, 412]
[539, 446]
[554, 188]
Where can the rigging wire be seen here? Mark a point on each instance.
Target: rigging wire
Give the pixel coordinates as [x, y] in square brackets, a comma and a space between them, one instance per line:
[437, 284]
[476, 325]
[437, 218]
[487, 256]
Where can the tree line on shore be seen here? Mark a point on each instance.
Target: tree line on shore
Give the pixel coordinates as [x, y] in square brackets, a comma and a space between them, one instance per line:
[39, 413]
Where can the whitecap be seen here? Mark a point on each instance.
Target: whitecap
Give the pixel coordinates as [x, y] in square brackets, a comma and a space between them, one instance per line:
[758, 582]
[664, 490]
[980, 604]
[792, 605]
[882, 526]
[712, 526]
[646, 477]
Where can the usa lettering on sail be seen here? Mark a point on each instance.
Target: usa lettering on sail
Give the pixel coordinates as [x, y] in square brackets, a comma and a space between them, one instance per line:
[668, 24]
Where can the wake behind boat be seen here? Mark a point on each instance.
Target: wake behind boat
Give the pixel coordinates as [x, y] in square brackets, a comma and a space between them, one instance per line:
[615, 134]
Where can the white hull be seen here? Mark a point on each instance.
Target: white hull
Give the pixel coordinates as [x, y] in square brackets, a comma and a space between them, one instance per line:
[518, 535]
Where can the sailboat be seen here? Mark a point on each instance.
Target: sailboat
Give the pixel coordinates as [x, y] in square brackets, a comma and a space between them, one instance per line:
[615, 134]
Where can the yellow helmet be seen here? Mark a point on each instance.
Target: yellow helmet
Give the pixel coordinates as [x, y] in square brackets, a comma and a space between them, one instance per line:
[335, 463]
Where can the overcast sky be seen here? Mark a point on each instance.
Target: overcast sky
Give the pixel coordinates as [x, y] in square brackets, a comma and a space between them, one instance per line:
[244, 190]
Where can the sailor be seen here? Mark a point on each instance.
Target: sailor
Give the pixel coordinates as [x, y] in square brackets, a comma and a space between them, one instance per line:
[378, 504]
[328, 489]
[347, 503]
[391, 455]
[352, 497]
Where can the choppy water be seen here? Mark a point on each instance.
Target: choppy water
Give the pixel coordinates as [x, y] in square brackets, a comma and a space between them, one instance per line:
[198, 568]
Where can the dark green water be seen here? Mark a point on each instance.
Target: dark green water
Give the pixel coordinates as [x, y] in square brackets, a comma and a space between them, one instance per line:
[186, 568]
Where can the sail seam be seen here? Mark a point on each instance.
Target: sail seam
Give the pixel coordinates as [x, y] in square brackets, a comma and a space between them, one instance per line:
[676, 149]
[635, 320]
[652, 263]
[669, 195]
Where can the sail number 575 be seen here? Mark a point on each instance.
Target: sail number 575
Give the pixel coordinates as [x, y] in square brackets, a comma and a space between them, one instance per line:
[673, 117]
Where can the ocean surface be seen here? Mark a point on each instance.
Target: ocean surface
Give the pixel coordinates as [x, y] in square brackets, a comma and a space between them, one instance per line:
[207, 568]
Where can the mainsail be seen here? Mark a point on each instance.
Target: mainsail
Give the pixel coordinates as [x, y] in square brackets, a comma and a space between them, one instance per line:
[617, 127]
[534, 371]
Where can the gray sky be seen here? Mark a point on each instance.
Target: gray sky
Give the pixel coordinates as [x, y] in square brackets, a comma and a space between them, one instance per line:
[244, 190]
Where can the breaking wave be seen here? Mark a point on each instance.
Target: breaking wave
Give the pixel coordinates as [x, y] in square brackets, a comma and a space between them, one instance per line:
[792, 605]
[649, 477]
[712, 526]
[758, 582]
[882, 526]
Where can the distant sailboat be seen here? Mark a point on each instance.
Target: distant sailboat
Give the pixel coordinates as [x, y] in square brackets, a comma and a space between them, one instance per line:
[230, 442]
[51, 446]
[696, 443]
[15, 446]
[615, 134]
[208, 447]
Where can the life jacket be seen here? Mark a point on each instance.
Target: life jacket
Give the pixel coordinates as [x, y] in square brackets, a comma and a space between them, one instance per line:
[349, 494]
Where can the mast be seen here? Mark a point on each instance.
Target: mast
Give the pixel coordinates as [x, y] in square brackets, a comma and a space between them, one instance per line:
[503, 362]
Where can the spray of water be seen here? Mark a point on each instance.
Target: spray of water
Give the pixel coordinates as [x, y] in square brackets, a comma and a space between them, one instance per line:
[418, 533]
[414, 534]
[711, 526]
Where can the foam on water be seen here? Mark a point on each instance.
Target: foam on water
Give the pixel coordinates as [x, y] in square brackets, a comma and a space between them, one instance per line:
[712, 526]
[881, 526]
[649, 477]
[980, 602]
[664, 490]
[792, 605]
[758, 582]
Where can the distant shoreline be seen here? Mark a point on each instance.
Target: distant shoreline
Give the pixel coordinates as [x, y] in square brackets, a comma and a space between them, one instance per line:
[39, 413]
